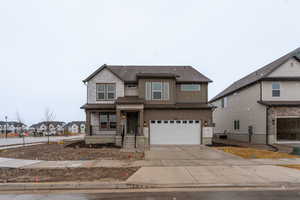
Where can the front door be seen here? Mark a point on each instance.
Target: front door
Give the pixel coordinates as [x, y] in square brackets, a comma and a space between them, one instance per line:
[132, 123]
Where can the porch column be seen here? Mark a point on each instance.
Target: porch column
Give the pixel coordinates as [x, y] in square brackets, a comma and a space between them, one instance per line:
[118, 115]
[88, 123]
[141, 122]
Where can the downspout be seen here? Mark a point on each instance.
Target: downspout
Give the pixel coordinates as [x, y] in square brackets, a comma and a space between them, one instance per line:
[267, 125]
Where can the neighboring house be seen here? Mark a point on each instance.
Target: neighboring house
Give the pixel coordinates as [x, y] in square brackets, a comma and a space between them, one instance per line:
[12, 126]
[134, 106]
[75, 127]
[52, 126]
[266, 104]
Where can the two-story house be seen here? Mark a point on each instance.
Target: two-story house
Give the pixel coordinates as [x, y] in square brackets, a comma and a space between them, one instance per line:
[12, 126]
[134, 106]
[51, 126]
[264, 106]
[75, 127]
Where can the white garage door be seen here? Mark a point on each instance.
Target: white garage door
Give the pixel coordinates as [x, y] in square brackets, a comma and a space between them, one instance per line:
[175, 132]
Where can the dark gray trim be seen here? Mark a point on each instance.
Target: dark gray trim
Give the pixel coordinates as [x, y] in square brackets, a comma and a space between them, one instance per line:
[281, 79]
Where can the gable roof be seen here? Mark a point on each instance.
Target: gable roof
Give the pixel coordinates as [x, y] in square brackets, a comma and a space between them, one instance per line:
[14, 123]
[129, 73]
[257, 75]
[55, 123]
[78, 123]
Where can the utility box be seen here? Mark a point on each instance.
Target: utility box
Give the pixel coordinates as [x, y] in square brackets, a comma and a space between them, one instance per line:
[207, 135]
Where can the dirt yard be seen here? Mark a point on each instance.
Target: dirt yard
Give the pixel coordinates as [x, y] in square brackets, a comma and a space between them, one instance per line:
[9, 175]
[251, 153]
[70, 151]
[291, 166]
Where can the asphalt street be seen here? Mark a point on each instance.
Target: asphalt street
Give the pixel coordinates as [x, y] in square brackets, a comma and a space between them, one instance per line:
[207, 195]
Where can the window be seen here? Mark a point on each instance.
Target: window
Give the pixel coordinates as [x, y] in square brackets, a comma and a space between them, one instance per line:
[131, 85]
[275, 89]
[224, 102]
[236, 125]
[190, 87]
[108, 121]
[157, 91]
[106, 91]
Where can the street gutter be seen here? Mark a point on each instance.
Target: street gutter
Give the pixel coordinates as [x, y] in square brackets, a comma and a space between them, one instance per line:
[125, 185]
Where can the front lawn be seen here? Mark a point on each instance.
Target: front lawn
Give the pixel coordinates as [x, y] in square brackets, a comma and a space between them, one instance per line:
[10, 175]
[70, 151]
[251, 153]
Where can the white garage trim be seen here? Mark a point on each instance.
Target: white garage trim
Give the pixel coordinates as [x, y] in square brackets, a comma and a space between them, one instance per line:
[175, 132]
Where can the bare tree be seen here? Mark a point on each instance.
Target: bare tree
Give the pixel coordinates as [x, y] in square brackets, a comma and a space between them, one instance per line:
[48, 117]
[19, 127]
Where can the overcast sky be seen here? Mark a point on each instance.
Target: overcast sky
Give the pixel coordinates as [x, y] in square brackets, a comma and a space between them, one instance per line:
[48, 47]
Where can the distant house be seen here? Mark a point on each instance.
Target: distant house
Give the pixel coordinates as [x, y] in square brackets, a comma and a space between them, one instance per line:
[12, 126]
[56, 126]
[75, 127]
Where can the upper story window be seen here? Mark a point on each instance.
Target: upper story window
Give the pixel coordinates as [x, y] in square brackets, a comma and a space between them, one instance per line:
[131, 86]
[190, 87]
[157, 90]
[224, 102]
[106, 91]
[275, 89]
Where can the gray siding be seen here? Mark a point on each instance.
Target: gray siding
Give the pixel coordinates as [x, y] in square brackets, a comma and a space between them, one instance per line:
[105, 76]
[242, 106]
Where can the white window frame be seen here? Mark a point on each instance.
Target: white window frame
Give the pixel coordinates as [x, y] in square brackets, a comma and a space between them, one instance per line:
[106, 91]
[276, 89]
[157, 90]
[183, 87]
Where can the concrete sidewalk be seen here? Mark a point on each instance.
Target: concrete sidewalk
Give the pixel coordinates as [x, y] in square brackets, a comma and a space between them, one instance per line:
[208, 175]
[20, 163]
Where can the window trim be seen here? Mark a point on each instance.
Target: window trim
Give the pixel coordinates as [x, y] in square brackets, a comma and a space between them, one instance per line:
[156, 90]
[106, 92]
[108, 120]
[164, 91]
[276, 90]
[190, 90]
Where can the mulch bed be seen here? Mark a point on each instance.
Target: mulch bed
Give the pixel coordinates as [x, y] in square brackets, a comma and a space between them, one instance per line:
[70, 151]
[9, 175]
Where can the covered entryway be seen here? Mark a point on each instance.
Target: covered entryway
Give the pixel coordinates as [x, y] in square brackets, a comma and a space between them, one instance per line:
[175, 132]
[288, 129]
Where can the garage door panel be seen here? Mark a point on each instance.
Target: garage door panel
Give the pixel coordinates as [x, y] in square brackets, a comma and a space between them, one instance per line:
[175, 132]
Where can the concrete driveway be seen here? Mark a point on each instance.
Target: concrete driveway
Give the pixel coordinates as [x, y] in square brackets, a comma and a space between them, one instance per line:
[187, 152]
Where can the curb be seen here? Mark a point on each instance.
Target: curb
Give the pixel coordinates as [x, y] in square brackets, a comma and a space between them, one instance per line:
[62, 186]
[125, 185]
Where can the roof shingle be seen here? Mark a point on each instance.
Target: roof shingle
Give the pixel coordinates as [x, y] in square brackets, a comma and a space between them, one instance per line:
[257, 75]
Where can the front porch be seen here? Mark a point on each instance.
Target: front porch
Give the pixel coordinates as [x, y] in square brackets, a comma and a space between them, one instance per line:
[122, 126]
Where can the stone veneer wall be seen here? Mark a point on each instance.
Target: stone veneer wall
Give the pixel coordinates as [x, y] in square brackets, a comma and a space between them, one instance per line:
[277, 112]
